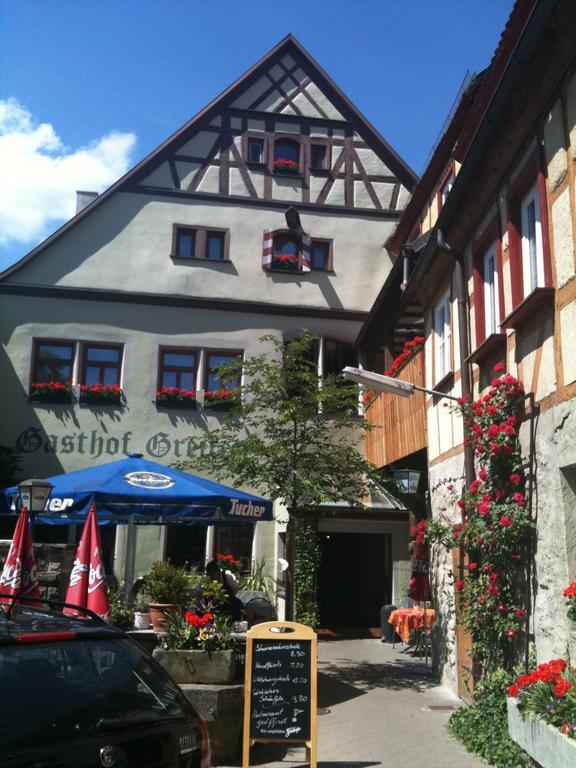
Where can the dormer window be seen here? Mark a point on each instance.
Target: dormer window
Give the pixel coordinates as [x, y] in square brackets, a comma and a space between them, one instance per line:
[286, 157]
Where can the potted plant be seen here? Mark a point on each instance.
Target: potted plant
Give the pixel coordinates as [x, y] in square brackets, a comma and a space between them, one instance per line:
[50, 392]
[199, 647]
[141, 613]
[174, 397]
[98, 394]
[120, 614]
[167, 589]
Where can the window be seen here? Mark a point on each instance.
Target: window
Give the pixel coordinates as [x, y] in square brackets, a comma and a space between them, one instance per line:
[214, 359]
[318, 156]
[336, 356]
[445, 188]
[285, 252]
[200, 243]
[321, 255]
[442, 351]
[255, 153]
[286, 156]
[178, 369]
[532, 247]
[491, 292]
[53, 361]
[215, 244]
[101, 364]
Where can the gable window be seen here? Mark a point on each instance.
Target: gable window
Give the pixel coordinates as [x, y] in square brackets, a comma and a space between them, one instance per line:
[532, 247]
[321, 255]
[255, 151]
[318, 156]
[53, 361]
[442, 338]
[178, 368]
[286, 156]
[101, 364]
[200, 243]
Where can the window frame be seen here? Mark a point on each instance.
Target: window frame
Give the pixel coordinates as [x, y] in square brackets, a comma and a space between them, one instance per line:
[36, 342]
[443, 361]
[328, 262]
[202, 234]
[295, 236]
[448, 178]
[491, 239]
[288, 138]
[209, 352]
[162, 349]
[327, 164]
[530, 183]
[84, 362]
[255, 136]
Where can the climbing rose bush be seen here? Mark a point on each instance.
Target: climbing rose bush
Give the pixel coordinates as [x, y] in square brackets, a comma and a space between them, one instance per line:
[495, 528]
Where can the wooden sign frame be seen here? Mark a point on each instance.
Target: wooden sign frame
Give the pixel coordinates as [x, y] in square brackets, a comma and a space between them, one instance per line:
[282, 631]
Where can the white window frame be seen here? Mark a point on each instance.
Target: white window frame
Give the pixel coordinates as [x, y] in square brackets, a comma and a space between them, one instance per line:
[491, 291]
[442, 337]
[532, 246]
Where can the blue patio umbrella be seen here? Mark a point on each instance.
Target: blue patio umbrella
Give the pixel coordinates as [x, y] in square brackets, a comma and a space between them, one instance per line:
[146, 492]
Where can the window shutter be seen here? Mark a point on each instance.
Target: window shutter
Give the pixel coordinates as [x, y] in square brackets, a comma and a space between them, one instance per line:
[267, 249]
[304, 261]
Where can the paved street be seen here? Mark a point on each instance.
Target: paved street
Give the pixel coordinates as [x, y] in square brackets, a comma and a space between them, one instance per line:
[377, 706]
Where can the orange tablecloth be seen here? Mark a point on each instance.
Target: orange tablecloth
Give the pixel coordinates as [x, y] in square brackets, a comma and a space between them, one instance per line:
[406, 620]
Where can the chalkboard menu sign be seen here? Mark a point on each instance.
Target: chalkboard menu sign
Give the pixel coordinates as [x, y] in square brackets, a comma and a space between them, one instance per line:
[280, 695]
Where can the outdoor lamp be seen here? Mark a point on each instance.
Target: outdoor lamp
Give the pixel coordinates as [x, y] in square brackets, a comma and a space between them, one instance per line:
[408, 479]
[34, 494]
[388, 384]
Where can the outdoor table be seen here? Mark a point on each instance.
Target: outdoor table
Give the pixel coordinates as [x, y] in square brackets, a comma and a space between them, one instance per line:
[408, 620]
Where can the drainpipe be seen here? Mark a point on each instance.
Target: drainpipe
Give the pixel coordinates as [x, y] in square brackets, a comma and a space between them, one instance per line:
[462, 309]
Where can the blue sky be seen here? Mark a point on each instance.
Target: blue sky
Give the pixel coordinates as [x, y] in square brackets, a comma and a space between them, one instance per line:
[87, 89]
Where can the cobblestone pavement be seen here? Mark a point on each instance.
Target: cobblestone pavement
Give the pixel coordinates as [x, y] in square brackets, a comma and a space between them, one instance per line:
[376, 706]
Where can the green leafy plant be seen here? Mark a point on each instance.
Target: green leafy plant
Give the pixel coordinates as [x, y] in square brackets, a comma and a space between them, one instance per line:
[200, 632]
[306, 573]
[260, 579]
[120, 614]
[165, 583]
[290, 439]
[483, 727]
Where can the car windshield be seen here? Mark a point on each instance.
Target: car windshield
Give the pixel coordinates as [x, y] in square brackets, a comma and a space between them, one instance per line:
[57, 691]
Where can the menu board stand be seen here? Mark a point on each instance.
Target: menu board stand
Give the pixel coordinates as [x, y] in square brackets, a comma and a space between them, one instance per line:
[280, 691]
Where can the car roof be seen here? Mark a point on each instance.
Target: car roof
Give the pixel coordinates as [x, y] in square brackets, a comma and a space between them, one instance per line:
[20, 623]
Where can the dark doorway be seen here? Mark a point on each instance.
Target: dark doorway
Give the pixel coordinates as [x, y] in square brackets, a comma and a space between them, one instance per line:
[354, 579]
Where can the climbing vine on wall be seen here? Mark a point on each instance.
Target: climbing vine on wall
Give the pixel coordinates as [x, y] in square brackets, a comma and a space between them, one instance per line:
[495, 529]
[306, 572]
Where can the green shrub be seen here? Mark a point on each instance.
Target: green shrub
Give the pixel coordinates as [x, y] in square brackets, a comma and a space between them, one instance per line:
[483, 727]
[165, 583]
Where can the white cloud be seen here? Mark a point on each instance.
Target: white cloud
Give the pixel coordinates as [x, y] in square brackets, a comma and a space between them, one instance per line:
[41, 175]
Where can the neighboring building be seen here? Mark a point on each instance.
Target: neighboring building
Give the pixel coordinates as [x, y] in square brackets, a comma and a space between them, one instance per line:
[265, 214]
[495, 281]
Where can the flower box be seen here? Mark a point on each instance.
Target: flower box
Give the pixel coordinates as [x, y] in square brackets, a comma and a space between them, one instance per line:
[286, 167]
[220, 400]
[50, 392]
[285, 262]
[173, 397]
[96, 394]
[544, 743]
[195, 666]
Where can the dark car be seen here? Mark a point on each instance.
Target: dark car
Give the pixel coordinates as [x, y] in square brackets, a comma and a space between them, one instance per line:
[78, 693]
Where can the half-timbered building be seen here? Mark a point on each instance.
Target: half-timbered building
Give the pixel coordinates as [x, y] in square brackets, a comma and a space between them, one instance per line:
[265, 214]
[495, 281]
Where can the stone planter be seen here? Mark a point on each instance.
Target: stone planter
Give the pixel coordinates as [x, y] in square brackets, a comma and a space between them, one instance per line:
[216, 668]
[222, 708]
[544, 743]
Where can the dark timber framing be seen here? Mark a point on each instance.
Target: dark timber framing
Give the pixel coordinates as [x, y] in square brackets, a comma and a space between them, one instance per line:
[221, 112]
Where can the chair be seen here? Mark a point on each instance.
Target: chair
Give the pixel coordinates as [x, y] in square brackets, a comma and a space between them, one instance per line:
[259, 609]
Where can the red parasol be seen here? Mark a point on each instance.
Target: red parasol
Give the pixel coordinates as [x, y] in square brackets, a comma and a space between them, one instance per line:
[88, 581]
[19, 573]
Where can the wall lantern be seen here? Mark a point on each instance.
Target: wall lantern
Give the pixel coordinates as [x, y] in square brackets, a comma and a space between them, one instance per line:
[34, 494]
[408, 479]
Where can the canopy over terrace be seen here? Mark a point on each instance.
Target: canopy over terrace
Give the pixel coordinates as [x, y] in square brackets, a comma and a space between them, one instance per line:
[135, 490]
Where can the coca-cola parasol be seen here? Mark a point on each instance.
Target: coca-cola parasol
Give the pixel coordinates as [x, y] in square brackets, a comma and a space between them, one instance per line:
[19, 573]
[88, 581]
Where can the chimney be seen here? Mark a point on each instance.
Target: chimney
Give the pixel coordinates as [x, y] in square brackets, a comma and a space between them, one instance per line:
[83, 199]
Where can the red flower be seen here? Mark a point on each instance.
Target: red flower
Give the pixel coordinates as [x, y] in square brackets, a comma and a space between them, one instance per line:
[500, 494]
[484, 508]
[482, 474]
[472, 567]
[459, 585]
[511, 633]
[520, 613]
[519, 499]
[562, 688]
[498, 368]
[475, 485]
[513, 691]
[515, 478]
[505, 521]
